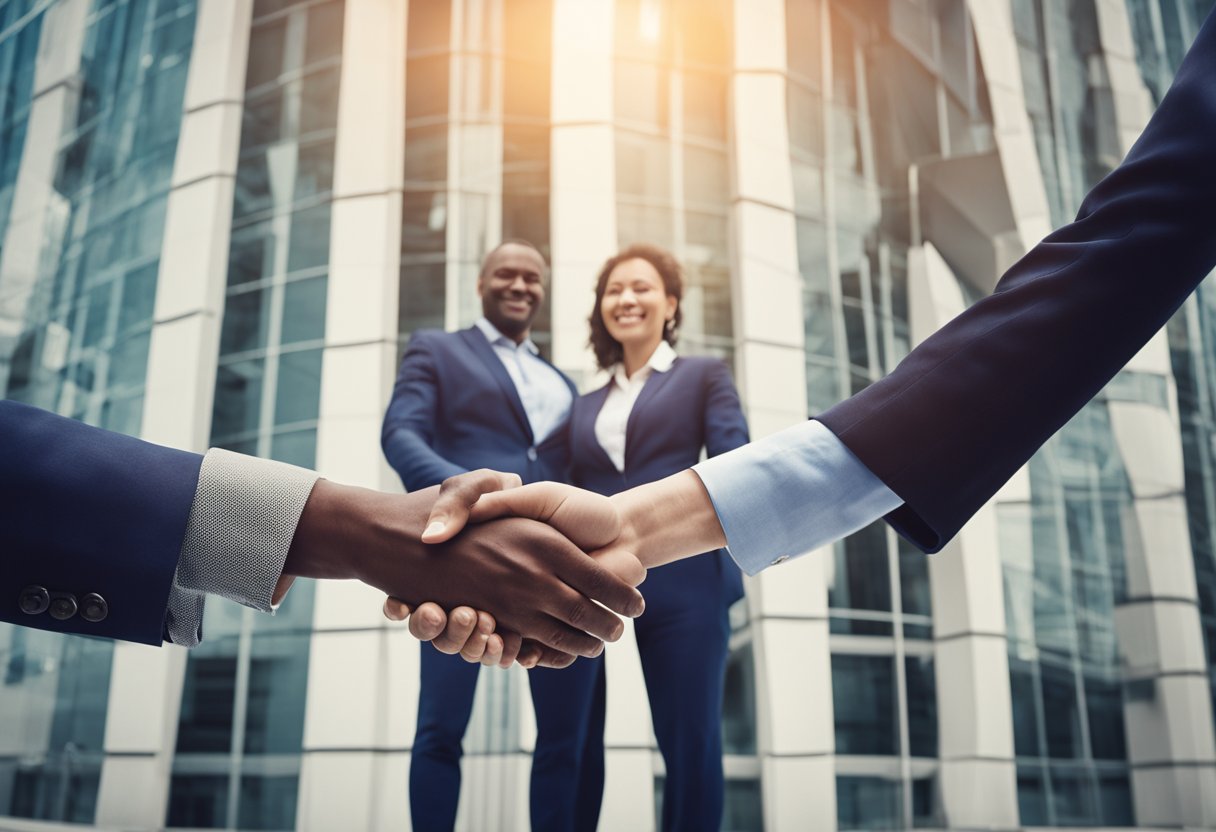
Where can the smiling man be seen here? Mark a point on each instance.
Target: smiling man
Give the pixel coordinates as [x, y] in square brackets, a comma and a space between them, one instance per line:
[483, 397]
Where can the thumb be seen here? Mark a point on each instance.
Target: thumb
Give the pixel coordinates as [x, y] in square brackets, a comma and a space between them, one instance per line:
[457, 496]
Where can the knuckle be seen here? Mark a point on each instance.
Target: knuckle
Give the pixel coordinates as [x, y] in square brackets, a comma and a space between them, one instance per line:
[577, 613]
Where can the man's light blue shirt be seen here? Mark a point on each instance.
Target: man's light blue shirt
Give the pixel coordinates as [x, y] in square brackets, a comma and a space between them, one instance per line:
[545, 396]
[793, 492]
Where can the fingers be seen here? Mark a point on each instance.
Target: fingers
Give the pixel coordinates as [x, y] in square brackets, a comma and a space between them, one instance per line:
[452, 640]
[475, 646]
[535, 501]
[592, 579]
[621, 563]
[535, 654]
[590, 521]
[395, 609]
[492, 657]
[511, 644]
[457, 495]
[560, 636]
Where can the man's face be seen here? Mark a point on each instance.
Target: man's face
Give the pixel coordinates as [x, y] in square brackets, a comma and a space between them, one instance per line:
[512, 289]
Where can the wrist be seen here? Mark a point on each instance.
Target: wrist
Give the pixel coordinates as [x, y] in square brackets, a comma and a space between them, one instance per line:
[336, 530]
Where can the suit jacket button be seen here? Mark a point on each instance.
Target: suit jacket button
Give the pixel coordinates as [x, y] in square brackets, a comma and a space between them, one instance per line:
[532, 454]
[63, 606]
[93, 608]
[34, 600]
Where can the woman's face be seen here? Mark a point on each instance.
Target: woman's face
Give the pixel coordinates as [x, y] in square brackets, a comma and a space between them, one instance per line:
[635, 305]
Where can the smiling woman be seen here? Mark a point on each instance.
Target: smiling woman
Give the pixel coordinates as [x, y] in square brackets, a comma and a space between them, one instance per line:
[637, 305]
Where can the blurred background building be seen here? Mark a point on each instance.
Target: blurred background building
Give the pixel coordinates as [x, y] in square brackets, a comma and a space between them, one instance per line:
[220, 220]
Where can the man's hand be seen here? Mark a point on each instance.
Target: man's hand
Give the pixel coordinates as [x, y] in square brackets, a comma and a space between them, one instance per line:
[583, 517]
[536, 582]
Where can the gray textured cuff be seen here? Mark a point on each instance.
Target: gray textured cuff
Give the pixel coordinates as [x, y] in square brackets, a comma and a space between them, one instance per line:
[241, 526]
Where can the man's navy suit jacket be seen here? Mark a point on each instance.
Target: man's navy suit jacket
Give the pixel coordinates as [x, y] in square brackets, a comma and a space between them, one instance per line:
[84, 510]
[455, 408]
[693, 405]
[970, 405]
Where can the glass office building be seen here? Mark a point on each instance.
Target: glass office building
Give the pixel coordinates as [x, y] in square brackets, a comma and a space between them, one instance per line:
[220, 221]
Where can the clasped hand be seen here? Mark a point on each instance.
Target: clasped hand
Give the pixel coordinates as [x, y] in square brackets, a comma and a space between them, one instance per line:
[589, 521]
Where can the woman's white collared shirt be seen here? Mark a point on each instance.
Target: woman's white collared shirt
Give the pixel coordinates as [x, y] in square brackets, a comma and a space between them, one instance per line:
[623, 392]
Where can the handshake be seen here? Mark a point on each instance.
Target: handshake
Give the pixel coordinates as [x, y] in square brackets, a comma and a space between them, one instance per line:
[503, 572]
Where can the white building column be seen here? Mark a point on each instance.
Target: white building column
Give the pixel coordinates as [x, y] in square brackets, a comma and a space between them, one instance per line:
[362, 671]
[1167, 705]
[146, 683]
[582, 206]
[584, 234]
[788, 605]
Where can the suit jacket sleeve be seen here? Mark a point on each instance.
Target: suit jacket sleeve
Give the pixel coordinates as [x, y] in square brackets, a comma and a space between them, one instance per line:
[725, 425]
[970, 405]
[89, 511]
[408, 435]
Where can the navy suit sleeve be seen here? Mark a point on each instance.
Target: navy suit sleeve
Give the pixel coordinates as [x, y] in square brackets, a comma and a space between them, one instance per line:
[725, 425]
[972, 403]
[89, 511]
[409, 424]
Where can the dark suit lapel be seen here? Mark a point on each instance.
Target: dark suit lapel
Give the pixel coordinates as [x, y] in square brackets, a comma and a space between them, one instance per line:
[588, 413]
[650, 390]
[477, 341]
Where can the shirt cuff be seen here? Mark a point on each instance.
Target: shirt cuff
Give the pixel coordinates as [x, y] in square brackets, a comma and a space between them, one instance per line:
[241, 526]
[790, 493]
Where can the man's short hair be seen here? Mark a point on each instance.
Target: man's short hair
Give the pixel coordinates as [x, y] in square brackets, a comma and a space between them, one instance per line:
[511, 241]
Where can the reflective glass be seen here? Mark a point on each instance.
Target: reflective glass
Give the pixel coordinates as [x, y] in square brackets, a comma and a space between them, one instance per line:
[198, 801]
[739, 702]
[643, 165]
[319, 101]
[429, 26]
[278, 676]
[298, 394]
[208, 701]
[1115, 800]
[426, 154]
[297, 447]
[1060, 713]
[324, 38]
[914, 580]
[1024, 697]
[1104, 710]
[705, 112]
[268, 802]
[426, 83]
[526, 85]
[804, 52]
[1032, 796]
[246, 321]
[304, 310]
[1072, 797]
[868, 803]
[421, 297]
[743, 809]
[423, 222]
[863, 694]
[266, 47]
[922, 706]
[309, 246]
[706, 177]
[858, 575]
[315, 170]
[238, 398]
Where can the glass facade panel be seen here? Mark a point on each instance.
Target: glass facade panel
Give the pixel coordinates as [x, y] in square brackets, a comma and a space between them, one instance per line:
[868, 803]
[863, 694]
